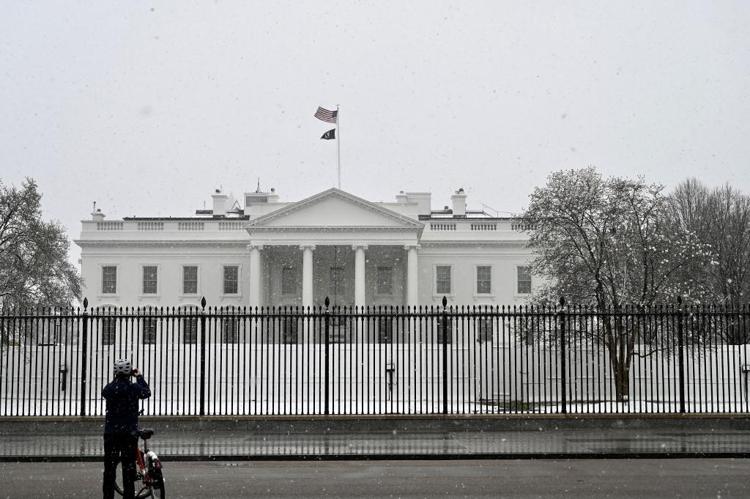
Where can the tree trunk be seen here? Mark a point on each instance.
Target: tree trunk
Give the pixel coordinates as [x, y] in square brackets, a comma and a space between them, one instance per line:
[620, 352]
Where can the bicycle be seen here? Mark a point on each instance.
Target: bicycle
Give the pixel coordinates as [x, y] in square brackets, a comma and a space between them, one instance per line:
[148, 471]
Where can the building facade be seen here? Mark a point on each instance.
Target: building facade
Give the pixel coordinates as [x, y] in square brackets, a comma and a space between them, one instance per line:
[261, 251]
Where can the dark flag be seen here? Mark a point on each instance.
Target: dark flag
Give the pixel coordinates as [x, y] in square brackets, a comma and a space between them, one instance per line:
[326, 115]
[330, 134]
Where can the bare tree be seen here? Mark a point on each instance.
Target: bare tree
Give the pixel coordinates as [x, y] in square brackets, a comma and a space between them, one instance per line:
[720, 219]
[608, 243]
[34, 266]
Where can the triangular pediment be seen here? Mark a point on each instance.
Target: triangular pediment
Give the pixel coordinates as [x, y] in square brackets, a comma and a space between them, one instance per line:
[332, 209]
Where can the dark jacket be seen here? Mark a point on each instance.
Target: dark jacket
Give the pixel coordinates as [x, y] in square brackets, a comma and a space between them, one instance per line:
[122, 398]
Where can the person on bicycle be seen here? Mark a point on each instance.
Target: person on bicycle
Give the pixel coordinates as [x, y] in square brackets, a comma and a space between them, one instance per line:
[121, 425]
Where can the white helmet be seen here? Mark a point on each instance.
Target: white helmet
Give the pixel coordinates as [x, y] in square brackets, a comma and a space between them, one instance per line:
[123, 366]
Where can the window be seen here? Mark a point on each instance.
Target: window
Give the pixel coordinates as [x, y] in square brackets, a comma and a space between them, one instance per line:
[189, 280]
[290, 329]
[484, 329]
[384, 281]
[336, 282]
[150, 282]
[484, 279]
[109, 279]
[230, 330]
[288, 281]
[190, 329]
[443, 279]
[385, 329]
[109, 326]
[149, 330]
[524, 280]
[231, 279]
[444, 332]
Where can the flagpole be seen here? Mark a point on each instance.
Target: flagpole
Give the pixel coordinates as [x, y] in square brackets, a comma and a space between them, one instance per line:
[338, 142]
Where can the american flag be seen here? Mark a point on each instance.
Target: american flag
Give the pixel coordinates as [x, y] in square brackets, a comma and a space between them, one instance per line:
[326, 115]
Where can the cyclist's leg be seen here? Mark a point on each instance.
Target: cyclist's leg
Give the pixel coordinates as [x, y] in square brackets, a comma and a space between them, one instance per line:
[128, 446]
[111, 457]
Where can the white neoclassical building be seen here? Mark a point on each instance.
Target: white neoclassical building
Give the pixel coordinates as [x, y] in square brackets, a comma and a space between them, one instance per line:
[261, 251]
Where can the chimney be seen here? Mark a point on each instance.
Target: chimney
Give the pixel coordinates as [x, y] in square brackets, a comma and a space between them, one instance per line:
[96, 214]
[402, 198]
[273, 197]
[459, 203]
[220, 203]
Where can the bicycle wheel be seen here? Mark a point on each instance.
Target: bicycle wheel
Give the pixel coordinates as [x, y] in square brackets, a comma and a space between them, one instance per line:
[156, 491]
[141, 491]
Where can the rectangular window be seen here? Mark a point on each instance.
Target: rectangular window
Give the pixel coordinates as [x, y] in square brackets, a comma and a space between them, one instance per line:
[384, 281]
[445, 332]
[524, 280]
[109, 279]
[189, 280]
[443, 279]
[109, 325]
[231, 279]
[150, 279]
[190, 330]
[385, 329]
[484, 329]
[230, 330]
[149, 330]
[290, 330]
[484, 279]
[336, 282]
[288, 281]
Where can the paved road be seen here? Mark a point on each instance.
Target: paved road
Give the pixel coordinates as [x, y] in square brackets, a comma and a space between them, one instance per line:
[598, 478]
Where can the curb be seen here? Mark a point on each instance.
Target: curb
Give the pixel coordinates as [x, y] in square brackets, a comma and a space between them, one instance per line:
[167, 458]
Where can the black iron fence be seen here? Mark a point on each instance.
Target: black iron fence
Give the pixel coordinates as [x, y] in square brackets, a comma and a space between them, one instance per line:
[380, 360]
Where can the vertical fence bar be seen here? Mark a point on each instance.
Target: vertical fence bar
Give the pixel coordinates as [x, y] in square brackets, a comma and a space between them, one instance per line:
[563, 359]
[202, 399]
[327, 339]
[444, 332]
[84, 355]
[681, 354]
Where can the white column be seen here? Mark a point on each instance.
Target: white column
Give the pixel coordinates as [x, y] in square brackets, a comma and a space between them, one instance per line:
[307, 275]
[255, 277]
[412, 276]
[359, 275]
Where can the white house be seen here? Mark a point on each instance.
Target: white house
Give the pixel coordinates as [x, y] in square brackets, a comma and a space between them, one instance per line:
[263, 251]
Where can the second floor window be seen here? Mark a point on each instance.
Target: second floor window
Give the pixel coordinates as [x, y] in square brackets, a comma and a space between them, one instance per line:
[150, 279]
[231, 279]
[385, 281]
[109, 279]
[189, 280]
[288, 281]
[524, 280]
[336, 283]
[484, 280]
[443, 279]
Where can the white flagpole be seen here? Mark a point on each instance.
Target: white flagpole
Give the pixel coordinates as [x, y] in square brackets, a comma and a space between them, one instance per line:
[338, 142]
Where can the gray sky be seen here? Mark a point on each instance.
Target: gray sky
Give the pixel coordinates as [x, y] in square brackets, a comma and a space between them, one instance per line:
[146, 107]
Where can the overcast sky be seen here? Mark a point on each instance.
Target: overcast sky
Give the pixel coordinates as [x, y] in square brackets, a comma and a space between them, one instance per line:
[146, 107]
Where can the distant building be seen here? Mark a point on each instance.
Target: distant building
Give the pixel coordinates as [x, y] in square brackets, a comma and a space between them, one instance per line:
[261, 252]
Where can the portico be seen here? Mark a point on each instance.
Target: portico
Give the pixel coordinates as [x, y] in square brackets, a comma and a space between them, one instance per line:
[337, 245]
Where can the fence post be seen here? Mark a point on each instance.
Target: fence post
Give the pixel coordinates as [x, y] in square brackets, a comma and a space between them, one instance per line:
[681, 353]
[326, 332]
[563, 359]
[444, 328]
[202, 408]
[84, 355]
